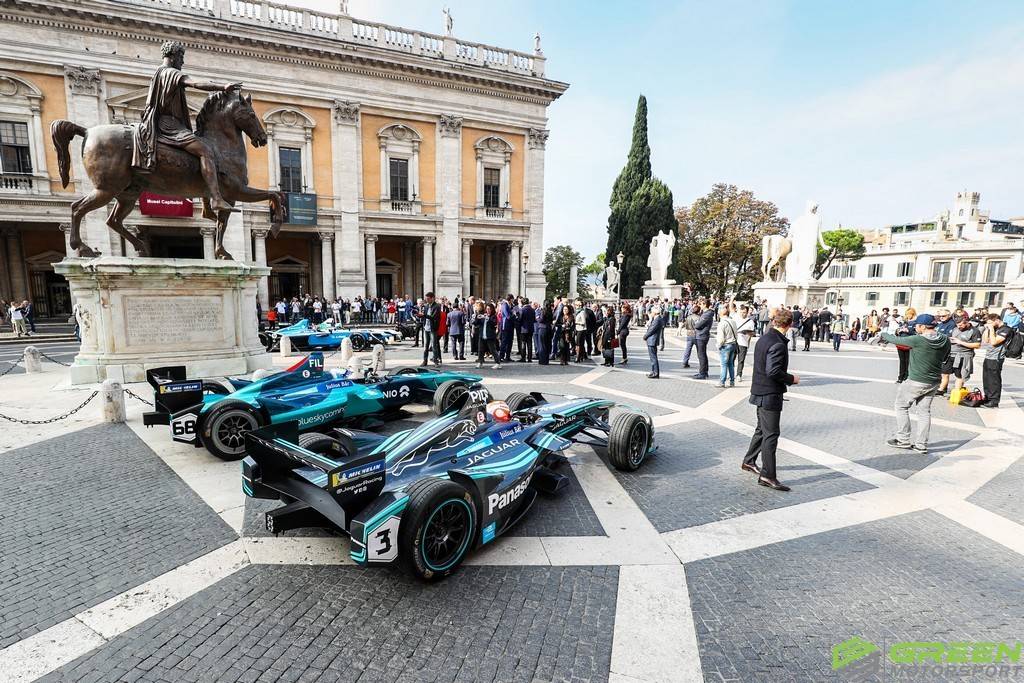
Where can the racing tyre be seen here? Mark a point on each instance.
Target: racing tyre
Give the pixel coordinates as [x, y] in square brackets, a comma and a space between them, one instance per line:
[323, 444]
[359, 342]
[629, 441]
[225, 428]
[518, 401]
[448, 395]
[211, 387]
[437, 529]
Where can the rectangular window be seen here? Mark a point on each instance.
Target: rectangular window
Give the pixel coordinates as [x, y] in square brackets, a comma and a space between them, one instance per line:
[993, 299]
[965, 299]
[871, 297]
[833, 272]
[492, 188]
[901, 299]
[940, 271]
[938, 299]
[995, 271]
[875, 270]
[290, 165]
[14, 149]
[905, 269]
[399, 171]
[968, 271]
[849, 271]
[831, 298]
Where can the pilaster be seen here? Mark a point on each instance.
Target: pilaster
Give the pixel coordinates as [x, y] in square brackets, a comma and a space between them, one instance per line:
[346, 153]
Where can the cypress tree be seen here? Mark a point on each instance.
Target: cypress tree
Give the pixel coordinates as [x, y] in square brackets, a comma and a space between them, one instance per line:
[641, 206]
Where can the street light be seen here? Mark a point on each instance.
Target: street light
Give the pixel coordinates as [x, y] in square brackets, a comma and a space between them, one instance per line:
[618, 287]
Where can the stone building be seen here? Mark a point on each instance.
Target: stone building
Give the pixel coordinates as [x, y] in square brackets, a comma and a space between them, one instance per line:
[961, 257]
[422, 154]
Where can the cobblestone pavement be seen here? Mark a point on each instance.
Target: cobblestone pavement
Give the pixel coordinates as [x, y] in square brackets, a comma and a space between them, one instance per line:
[134, 558]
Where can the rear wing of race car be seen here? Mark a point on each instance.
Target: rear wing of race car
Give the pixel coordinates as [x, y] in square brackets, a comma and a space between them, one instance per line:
[336, 484]
[172, 392]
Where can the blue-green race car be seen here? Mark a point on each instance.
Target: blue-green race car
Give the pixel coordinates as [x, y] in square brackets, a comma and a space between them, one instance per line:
[208, 413]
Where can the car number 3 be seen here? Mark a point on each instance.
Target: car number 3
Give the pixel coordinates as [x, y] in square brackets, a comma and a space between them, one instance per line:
[383, 541]
[382, 545]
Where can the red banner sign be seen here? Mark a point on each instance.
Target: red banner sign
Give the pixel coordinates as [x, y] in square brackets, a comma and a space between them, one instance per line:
[158, 205]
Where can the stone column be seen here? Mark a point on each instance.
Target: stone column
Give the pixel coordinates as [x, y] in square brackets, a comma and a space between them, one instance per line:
[371, 265]
[428, 264]
[316, 273]
[327, 248]
[85, 106]
[19, 284]
[513, 267]
[451, 277]
[66, 229]
[466, 268]
[5, 269]
[260, 257]
[209, 233]
[487, 276]
[347, 162]
[408, 269]
[534, 185]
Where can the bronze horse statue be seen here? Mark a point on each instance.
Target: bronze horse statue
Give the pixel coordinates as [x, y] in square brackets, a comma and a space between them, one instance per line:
[107, 156]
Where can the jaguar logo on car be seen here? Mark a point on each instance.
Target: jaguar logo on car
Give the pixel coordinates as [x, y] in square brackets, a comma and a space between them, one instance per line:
[500, 448]
[402, 392]
[500, 501]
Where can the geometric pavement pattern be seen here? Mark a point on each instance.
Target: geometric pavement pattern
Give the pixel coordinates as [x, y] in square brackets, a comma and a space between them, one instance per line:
[682, 571]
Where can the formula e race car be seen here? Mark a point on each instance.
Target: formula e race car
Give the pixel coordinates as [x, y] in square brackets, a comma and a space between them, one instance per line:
[207, 413]
[305, 337]
[424, 497]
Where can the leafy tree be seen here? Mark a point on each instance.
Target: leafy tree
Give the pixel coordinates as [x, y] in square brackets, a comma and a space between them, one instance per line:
[844, 245]
[719, 250]
[557, 262]
[594, 271]
[641, 205]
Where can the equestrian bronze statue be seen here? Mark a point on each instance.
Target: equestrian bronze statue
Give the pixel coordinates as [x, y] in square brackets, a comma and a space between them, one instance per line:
[164, 155]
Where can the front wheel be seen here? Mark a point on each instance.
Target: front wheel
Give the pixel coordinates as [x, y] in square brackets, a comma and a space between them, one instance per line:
[448, 395]
[225, 428]
[629, 441]
[359, 342]
[437, 529]
[519, 401]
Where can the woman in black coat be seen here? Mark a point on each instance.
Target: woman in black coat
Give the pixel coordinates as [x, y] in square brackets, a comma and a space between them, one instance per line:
[625, 316]
[568, 340]
[608, 336]
[807, 326]
[543, 332]
[486, 326]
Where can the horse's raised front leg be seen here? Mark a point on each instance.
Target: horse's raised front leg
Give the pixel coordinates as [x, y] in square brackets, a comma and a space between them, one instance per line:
[79, 209]
[219, 252]
[276, 199]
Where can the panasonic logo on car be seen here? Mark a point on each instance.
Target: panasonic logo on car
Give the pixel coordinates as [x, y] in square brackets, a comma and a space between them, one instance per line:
[497, 501]
[316, 419]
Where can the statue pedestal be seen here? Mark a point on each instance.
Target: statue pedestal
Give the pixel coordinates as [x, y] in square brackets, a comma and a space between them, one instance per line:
[811, 294]
[667, 289]
[141, 313]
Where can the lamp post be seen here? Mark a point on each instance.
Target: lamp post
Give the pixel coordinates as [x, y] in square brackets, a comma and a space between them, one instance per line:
[619, 258]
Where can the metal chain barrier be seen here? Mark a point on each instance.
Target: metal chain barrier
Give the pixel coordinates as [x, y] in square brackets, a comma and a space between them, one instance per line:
[137, 397]
[13, 365]
[52, 419]
[54, 360]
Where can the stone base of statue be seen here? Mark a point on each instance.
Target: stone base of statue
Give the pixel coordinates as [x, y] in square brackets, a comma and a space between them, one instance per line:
[141, 313]
[666, 289]
[810, 294]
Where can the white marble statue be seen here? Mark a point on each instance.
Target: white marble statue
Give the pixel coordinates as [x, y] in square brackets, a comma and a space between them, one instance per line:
[536, 44]
[448, 23]
[611, 279]
[660, 259]
[799, 250]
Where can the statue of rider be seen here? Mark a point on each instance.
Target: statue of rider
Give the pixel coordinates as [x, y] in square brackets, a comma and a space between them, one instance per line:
[166, 120]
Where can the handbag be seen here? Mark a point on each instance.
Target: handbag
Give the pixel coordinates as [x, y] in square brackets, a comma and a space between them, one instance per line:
[615, 342]
[974, 399]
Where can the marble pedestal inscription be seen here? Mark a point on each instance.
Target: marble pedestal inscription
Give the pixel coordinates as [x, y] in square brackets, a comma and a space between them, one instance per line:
[168, 320]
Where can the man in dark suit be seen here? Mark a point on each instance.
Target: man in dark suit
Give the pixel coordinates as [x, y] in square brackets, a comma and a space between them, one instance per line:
[653, 337]
[702, 334]
[430, 318]
[771, 377]
[527, 319]
[509, 323]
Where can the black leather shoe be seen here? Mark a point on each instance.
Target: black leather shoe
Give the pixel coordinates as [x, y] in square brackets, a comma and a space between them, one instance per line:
[652, 376]
[750, 468]
[772, 484]
[700, 376]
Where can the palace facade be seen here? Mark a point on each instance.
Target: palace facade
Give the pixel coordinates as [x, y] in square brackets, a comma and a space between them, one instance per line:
[412, 161]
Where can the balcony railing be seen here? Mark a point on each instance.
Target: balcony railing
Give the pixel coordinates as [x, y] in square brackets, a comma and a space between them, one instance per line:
[344, 28]
[491, 212]
[400, 206]
[16, 182]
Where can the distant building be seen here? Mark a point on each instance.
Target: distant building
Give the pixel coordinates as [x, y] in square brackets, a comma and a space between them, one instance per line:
[962, 257]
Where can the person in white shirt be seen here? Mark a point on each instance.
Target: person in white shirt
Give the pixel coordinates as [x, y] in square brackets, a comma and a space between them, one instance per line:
[336, 311]
[725, 337]
[745, 328]
[18, 320]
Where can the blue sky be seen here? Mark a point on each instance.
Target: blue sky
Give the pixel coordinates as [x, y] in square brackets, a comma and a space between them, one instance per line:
[880, 111]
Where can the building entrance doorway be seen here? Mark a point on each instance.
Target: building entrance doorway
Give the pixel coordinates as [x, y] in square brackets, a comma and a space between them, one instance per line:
[385, 286]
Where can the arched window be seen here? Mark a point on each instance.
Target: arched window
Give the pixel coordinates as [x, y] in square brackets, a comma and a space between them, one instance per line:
[399, 168]
[290, 149]
[22, 147]
[493, 173]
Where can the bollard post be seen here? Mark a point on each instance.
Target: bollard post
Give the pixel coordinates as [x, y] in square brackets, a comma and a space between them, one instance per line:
[346, 350]
[378, 358]
[112, 394]
[286, 346]
[33, 361]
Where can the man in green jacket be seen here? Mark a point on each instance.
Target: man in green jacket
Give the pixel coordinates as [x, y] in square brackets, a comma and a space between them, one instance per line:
[928, 348]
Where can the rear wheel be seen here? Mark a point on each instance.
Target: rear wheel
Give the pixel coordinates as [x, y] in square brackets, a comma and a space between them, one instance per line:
[437, 529]
[448, 395]
[628, 441]
[359, 342]
[225, 428]
[519, 401]
[324, 445]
